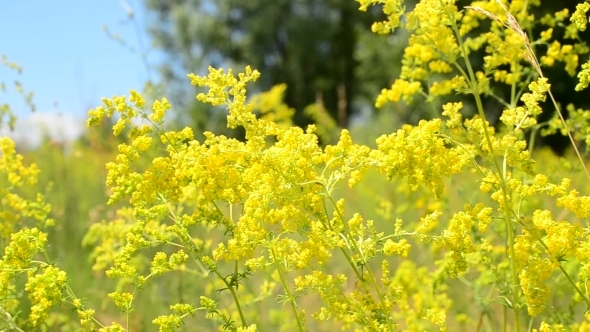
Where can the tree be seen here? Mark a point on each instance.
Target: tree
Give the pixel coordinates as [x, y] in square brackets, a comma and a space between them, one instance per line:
[308, 44]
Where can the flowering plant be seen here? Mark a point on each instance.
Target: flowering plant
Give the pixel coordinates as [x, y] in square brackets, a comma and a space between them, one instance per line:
[264, 224]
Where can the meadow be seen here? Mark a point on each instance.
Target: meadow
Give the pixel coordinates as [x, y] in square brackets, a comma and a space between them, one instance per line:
[449, 224]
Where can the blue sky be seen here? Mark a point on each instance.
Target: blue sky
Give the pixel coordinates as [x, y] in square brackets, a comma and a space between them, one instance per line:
[68, 59]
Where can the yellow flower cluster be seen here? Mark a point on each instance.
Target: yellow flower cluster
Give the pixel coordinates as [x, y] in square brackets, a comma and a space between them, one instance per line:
[393, 9]
[45, 290]
[525, 117]
[274, 195]
[544, 243]
[270, 205]
[22, 238]
[420, 155]
[16, 209]
[273, 183]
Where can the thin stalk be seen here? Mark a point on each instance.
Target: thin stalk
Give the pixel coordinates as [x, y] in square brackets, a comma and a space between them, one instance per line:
[501, 175]
[346, 254]
[288, 291]
[372, 278]
[505, 311]
[235, 297]
[533, 137]
[73, 296]
[569, 134]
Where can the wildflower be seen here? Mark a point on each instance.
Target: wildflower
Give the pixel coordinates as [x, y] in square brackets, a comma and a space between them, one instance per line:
[420, 156]
[45, 290]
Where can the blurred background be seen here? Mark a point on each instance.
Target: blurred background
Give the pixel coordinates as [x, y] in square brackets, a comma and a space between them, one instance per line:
[74, 53]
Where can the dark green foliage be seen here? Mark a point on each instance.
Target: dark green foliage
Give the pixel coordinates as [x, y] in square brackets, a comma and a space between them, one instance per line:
[322, 49]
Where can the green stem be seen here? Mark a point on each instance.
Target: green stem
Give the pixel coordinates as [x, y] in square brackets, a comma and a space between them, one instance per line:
[346, 254]
[501, 175]
[288, 291]
[505, 319]
[235, 297]
[73, 296]
[373, 281]
[533, 137]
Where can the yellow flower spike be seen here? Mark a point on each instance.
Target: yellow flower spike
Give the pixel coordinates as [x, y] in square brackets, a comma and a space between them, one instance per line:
[579, 16]
[114, 327]
[122, 300]
[95, 116]
[441, 88]
[545, 327]
[400, 89]
[580, 205]
[584, 76]
[452, 111]
[400, 248]
[403, 155]
[136, 98]
[437, 317]
[534, 271]
[393, 9]
[160, 108]
[45, 291]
